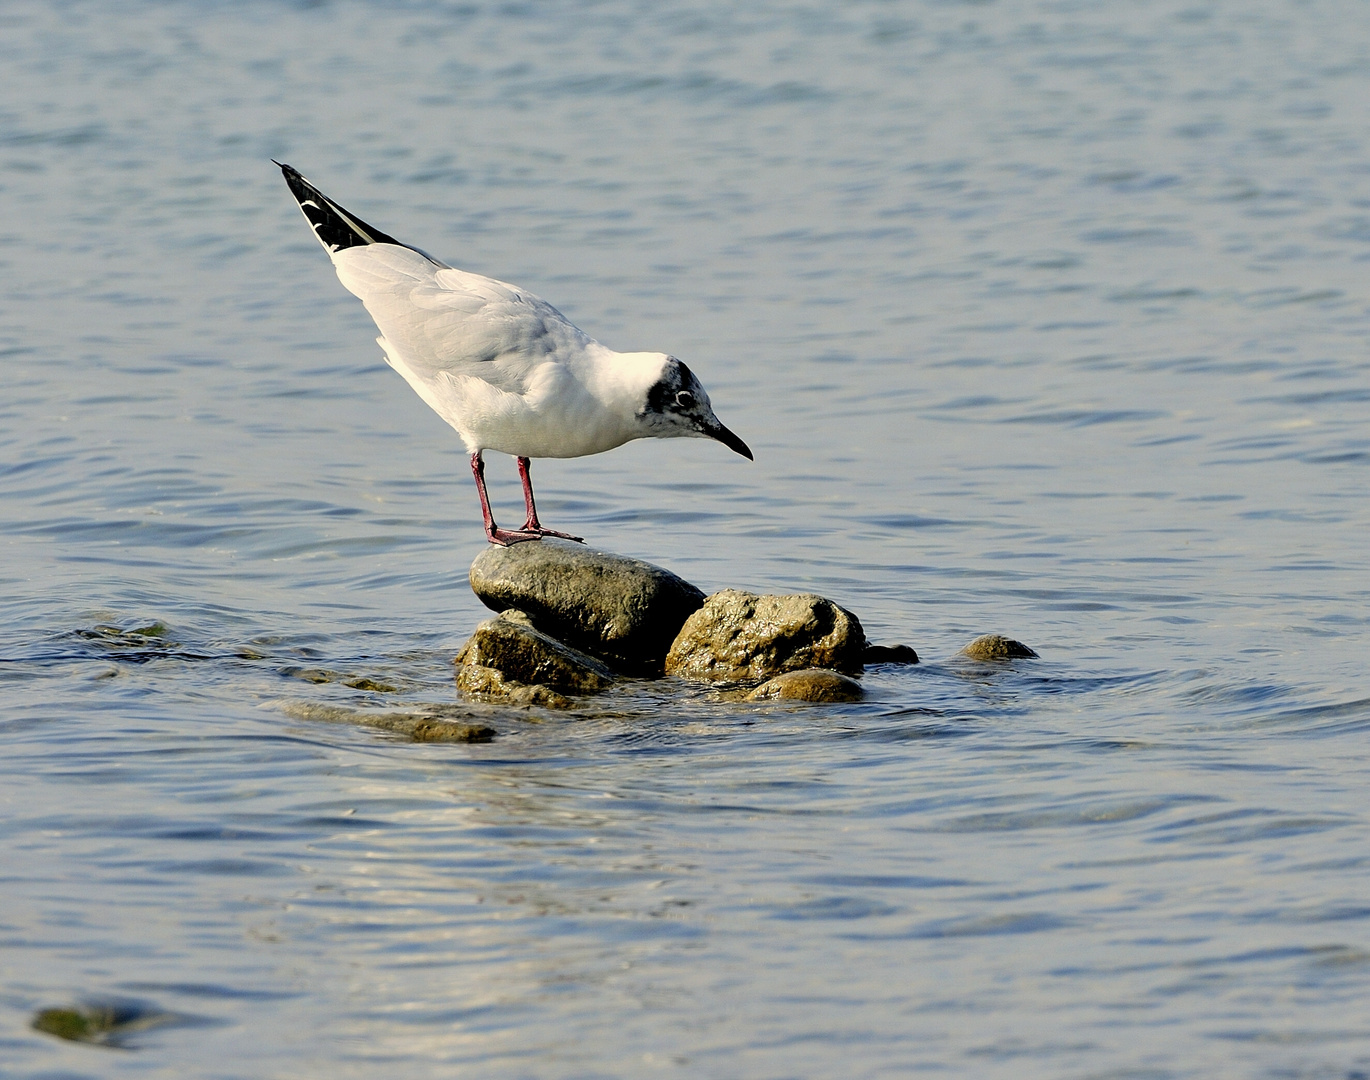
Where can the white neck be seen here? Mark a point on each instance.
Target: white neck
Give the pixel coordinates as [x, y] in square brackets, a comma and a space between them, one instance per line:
[621, 380]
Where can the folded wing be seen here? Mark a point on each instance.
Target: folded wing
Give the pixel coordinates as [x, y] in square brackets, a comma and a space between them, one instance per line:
[438, 320]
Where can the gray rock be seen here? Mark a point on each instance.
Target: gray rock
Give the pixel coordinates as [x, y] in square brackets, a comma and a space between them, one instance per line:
[624, 611]
[519, 653]
[739, 636]
[997, 647]
[811, 684]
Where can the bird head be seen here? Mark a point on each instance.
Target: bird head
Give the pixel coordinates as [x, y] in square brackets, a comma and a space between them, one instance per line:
[677, 405]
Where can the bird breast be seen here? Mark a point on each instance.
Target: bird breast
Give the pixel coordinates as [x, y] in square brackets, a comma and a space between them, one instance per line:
[554, 415]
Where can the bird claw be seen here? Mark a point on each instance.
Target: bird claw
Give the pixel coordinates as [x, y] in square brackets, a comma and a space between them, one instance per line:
[540, 531]
[506, 537]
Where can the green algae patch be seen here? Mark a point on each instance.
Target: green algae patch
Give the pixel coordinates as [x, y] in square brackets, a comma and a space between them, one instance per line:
[75, 1025]
[99, 1024]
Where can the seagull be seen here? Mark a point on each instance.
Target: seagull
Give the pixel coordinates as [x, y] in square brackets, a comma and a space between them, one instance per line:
[504, 367]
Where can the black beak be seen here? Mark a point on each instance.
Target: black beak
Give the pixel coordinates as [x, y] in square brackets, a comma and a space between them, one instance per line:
[728, 439]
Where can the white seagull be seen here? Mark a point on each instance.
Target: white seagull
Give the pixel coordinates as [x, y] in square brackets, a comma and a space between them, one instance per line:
[502, 366]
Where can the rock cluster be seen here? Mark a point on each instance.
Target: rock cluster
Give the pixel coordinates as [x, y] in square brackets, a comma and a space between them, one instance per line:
[571, 621]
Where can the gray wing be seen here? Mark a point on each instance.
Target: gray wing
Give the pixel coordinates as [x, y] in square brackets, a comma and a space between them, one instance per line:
[437, 319]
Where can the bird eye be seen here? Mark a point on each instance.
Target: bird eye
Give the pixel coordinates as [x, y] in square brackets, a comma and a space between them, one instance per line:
[685, 400]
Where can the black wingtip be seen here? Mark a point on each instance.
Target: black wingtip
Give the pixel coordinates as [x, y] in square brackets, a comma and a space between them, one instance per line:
[335, 227]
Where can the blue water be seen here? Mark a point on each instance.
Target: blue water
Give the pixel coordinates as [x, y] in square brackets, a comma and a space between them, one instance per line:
[1042, 318]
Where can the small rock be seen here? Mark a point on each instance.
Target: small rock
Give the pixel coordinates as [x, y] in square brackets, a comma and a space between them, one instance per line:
[622, 610]
[889, 654]
[520, 653]
[997, 647]
[811, 684]
[738, 636]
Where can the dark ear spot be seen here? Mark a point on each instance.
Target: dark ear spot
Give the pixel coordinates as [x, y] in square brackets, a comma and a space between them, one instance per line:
[662, 394]
[657, 397]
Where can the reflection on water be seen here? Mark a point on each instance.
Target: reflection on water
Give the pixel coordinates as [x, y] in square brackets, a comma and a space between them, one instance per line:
[1044, 319]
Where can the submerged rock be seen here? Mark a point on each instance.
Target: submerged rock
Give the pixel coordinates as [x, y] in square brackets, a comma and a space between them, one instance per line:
[811, 684]
[997, 647]
[105, 1023]
[624, 611]
[431, 729]
[889, 654]
[739, 636]
[91, 1023]
[516, 652]
[323, 675]
[436, 723]
[488, 683]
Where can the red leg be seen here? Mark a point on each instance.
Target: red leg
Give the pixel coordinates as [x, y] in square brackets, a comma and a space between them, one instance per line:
[532, 525]
[503, 537]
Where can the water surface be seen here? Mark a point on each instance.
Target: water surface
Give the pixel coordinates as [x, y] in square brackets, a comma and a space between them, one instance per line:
[1046, 319]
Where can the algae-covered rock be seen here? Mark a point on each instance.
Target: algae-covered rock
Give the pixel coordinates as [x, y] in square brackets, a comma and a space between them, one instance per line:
[997, 647]
[889, 654]
[624, 611]
[520, 653]
[811, 684]
[738, 636]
